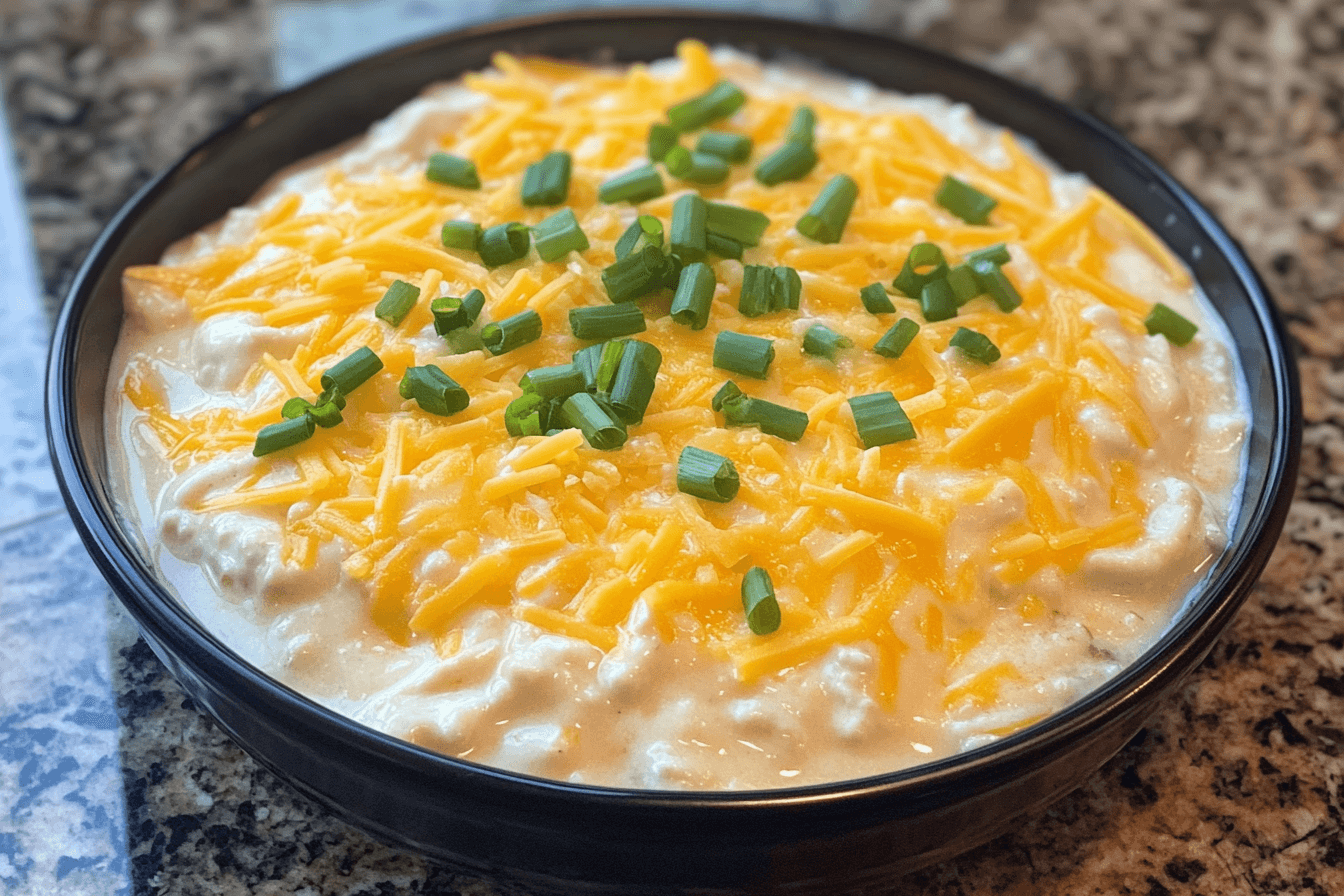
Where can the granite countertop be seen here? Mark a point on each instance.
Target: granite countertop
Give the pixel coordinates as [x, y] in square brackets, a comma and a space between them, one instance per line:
[112, 781]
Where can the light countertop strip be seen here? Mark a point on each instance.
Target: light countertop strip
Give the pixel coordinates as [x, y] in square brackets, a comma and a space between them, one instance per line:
[111, 781]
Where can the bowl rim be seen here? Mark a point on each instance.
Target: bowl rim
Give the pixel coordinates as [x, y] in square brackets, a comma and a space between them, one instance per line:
[1157, 668]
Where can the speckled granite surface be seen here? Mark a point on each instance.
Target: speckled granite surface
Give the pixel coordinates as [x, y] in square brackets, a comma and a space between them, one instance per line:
[110, 781]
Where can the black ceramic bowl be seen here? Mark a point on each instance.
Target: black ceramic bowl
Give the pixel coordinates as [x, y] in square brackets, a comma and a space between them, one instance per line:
[847, 836]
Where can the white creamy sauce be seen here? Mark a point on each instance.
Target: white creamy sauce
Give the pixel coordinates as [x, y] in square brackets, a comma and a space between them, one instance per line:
[649, 713]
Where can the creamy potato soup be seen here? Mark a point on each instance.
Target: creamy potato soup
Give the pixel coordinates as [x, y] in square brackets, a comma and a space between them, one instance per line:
[702, 424]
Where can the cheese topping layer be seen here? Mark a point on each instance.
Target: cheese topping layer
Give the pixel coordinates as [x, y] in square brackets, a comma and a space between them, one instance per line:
[541, 605]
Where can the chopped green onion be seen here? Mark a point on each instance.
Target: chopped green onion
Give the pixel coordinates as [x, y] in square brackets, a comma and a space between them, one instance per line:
[453, 313]
[662, 137]
[732, 148]
[758, 281]
[880, 419]
[688, 227]
[727, 392]
[802, 126]
[397, 302]
[759, 602]
[964, 200]
[826, 218]
[560, 381]
[632, 186]
[997, 253]
[744, 354]
[454, 171]
[558, 235]
[581, 411]
[895, 341]
[511, 332]
[994, 281]
[609, 361]
[924, 263]
[435, 391]
[325, 414]
[646, 229]
[937, 301]
[295, 407]
[723, 247]
[790, 161]
[742, 225]
[1168, 322]
[707, 475]
[824, 342]
[547, 182]
[696, 167]
[283, 435]
[504, 243]
[636, 377]
[464, 235]
[586, 361]
[694, 296]
[787, 291]
[352, 371]
[522, 416]
[461, 341]
[638, 274]
[976, 346]
[876, 300]
[963, 282]
[775, 420]
[720, 101]
[606, 321]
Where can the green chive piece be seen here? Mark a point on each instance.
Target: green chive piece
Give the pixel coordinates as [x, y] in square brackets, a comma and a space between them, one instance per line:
[757, 283]
[880, 419]
[802, 126]
[454, 171]
[759, 602]
[547, 182]
[283, 435]
[638, 274]
[742, 225]
[511, 332]
[963, 283]
[645, 229]
[826, 218]
[560, 381]
[295, 407]
[465, 235]
[720, 101]
[636, 376]
[454, 313]
[924, 263]
[822, 341]
[964, 200]
[504, 243]
[696, 167]
[586, 360]
[707, 475]
[523, 415]
[723, 247]
[632, 186]
[462, 340]
[744, 354]
[1168, 322]
[895, 341]
[976, 346]
[325, 414]
[787, 291]
[558, 235]
[727, 392]
[995, 282]
[776, 420]
[694, 296]
[662, 137]
[688, 227]
[581, 411]
[937, 301]
[875, 299]
[790, 161]
[435, 391]
[997, 253]
[609, 361]
[606, 321]
[397, 302]
[732, 148]
[352, 371]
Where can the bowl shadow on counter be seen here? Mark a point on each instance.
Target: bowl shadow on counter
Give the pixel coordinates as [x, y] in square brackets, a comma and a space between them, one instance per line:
[844, 837]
